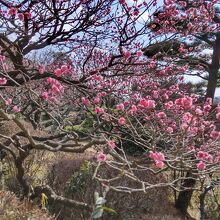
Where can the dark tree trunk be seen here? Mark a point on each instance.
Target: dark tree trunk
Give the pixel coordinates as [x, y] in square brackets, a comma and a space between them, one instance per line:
[185, 196]
[21, 173]
[213, 69]
[202, 204]
[211, 87]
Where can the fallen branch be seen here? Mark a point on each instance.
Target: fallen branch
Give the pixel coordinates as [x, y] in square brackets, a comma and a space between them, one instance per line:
[53, 197]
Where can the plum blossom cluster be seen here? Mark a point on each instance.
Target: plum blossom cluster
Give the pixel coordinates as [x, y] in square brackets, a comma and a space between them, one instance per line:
[158, 158]
[198, 16]
[55, 88]
[61, 71]
[13, 107]
[167, 114]
[21, 16]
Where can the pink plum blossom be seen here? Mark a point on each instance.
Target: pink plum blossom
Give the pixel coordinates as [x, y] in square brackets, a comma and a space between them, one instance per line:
[139, 53]
[207, 108]
[85, 101]
[170, 130]
[16, 108]
[3, 81]
[147, 103]
[198, 111]
[201, 155]
[28, 14]
[99, 110]
[161, 115]
[218, 116]
[21, 16]
[120, 107]
[101, 157]
[8, 101]
[156, 156]
[96, 100]
[58, 72]
[133, 110]
[214, 134]
[111, 144]
[159, 164]
[201, 165]
[64, 68]
[122, 121]
[127, 55]
[12, 11]
[45, 95]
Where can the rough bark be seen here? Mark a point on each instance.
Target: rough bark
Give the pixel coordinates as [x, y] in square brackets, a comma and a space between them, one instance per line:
[21, 173]
[214, 68]
[53, 197]
[185, 196]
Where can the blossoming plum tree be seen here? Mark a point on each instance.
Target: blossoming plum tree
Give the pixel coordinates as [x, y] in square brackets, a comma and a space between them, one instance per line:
[192, 38]
[124, 95]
